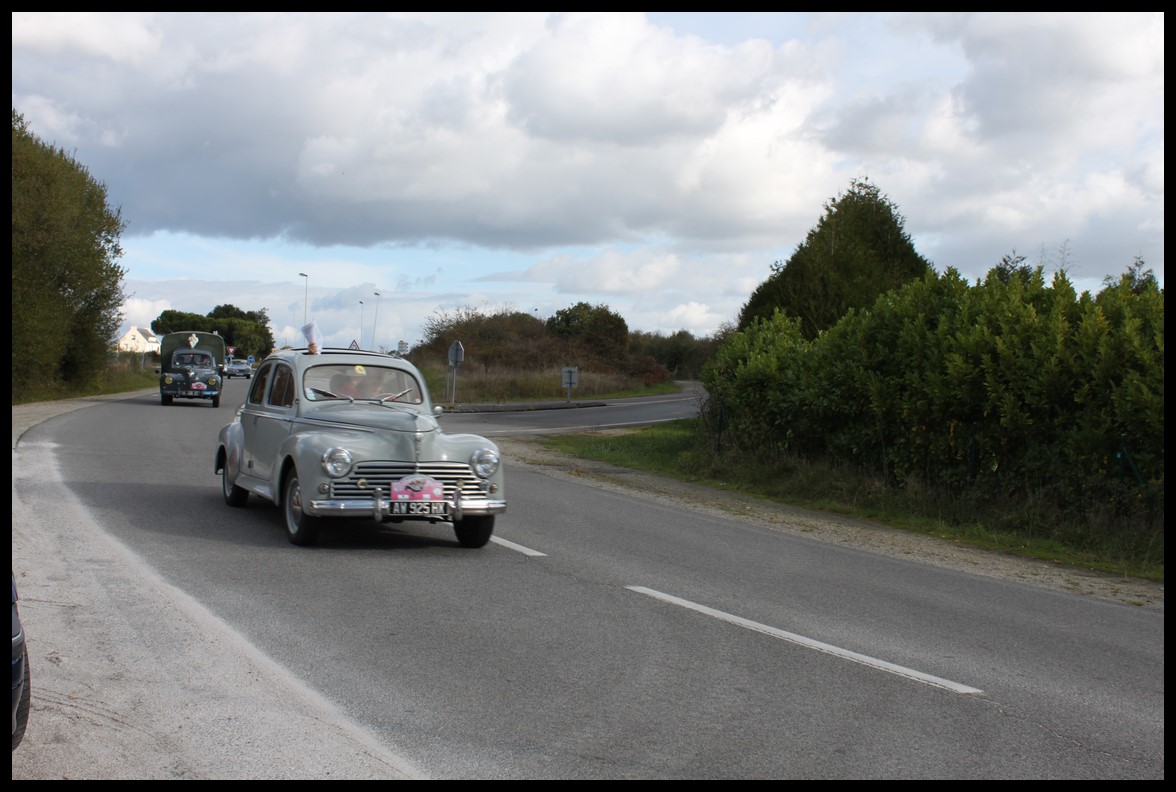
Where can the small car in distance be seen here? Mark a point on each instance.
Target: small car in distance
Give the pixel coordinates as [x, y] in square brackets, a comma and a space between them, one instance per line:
[191, 367]
[346, 435]
[238, 368]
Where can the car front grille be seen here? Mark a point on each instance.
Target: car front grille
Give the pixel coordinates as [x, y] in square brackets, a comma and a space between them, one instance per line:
[365, 477]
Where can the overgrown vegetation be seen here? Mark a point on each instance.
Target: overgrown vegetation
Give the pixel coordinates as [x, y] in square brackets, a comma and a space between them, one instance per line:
[685, 450]
[503, 385]
[66, 281]
[511, 355]
[1011, 404]
[121, 372]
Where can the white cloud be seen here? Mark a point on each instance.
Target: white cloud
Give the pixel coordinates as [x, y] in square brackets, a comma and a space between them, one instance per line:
[658, 162]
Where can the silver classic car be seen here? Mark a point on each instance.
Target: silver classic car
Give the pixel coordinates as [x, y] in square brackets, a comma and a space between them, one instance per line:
[347, 435]
[238, 368]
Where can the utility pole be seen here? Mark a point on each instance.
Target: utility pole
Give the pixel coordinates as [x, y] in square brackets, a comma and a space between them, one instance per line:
[305, 296]
[375, 318]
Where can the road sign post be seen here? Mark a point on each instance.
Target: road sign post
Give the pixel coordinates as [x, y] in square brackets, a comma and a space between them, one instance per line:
[456, 356]
[571, 379]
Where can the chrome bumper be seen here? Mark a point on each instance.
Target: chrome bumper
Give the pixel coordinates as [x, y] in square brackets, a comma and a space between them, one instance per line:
[379, 508]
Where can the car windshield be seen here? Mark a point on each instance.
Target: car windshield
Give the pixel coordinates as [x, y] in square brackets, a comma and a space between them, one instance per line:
[189, 359]
[357, 381]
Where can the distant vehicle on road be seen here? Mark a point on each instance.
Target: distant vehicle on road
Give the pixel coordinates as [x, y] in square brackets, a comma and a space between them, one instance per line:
[192, 366]
[238, 368]
[350, 434]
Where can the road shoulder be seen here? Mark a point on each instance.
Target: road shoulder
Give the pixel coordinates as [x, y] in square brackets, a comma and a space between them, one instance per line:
[825, 527]
[132, 679]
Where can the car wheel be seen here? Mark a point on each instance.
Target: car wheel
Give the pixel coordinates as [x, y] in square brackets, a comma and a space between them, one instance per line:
[165, 400]
[302, 528]
[22, 711]
[234, 495]
[216, 401]
[474, 531]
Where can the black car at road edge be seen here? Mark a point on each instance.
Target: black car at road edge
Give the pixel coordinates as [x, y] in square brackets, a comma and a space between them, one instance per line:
[21, 691]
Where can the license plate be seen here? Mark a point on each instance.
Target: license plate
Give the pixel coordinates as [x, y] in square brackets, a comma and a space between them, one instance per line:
[419, 508]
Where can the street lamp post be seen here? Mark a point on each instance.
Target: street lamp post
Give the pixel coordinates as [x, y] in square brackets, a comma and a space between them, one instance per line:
[375, 318]
[361, 324]
[305, 296]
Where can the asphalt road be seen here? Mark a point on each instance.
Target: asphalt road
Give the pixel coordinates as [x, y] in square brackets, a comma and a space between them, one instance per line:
[603, 636]
[133, 679]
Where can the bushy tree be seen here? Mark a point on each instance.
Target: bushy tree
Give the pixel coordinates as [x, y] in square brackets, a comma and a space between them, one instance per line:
[498, 339]
[857, 251]
[1014, 392]
[66, 281]
[681, 353]
[592, 330]
[247, 331]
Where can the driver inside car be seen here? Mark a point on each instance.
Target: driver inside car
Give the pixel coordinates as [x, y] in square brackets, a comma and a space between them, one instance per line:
[345, 386]
[371, 386]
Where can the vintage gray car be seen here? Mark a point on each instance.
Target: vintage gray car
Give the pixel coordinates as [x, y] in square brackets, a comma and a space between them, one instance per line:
[238, 368]
[348, 435]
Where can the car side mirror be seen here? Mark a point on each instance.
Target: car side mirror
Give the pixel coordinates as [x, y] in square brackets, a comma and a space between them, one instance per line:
[438, 410]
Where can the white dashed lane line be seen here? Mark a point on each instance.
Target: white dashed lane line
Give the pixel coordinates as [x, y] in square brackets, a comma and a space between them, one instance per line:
[518, 548]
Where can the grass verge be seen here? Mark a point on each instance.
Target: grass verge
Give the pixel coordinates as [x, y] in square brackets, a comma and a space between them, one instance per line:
[676, 450]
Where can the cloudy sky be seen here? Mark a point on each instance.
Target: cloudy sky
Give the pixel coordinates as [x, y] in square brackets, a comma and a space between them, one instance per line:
[655, 163]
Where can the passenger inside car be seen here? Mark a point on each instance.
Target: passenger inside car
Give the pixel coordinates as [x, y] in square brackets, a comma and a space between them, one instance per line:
[345, 386]
[193, 360]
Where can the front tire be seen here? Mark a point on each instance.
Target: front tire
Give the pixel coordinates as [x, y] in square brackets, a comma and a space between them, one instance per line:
[234, 495]
[216, 401]
[22, 710]
[165, 400]
[301, 528]
[474, 531]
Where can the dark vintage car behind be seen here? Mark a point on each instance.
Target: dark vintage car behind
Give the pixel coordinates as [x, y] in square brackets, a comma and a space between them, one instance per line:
[192, 365]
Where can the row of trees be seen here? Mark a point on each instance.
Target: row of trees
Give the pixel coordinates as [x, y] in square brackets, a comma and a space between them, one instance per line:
[1002, 391]
[66, 280]
[248, 332]
[590, 337]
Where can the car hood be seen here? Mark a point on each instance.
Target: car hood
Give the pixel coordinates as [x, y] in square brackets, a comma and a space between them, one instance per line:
[370, 415]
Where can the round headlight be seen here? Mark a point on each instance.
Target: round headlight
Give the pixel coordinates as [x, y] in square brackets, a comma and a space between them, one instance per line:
[337, 462]
[484, 462]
